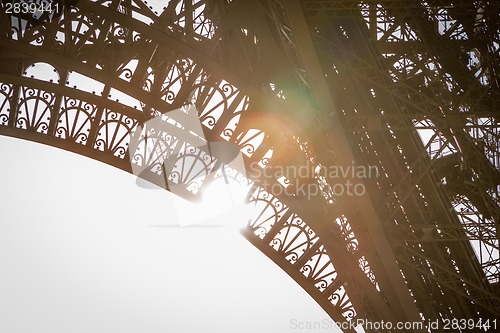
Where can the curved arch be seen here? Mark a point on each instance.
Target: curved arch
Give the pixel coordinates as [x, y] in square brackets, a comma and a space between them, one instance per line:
[322, 264]
[118, 250]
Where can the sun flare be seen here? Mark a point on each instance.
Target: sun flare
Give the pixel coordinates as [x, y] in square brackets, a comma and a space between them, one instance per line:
[223, 203]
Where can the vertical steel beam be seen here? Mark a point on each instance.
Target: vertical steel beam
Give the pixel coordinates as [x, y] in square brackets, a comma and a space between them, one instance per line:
[401, 302]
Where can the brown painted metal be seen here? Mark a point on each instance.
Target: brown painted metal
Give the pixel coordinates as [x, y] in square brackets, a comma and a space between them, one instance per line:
[325, 83]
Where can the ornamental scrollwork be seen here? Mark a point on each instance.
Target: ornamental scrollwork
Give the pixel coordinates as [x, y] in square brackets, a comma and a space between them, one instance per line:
[35, 109]
[268, 210]
[150, 147]
[190, 168]
[112, 60]
[75, 120]
[6, 91]
[294, 238]
[213, 98]
[341, 300]
[319, 269]
[114, 133]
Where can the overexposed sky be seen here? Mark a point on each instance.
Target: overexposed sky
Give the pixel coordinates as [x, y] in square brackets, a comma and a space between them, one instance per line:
[84, 249]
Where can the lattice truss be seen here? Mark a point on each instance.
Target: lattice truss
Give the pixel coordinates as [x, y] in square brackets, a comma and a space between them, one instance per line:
[415, 91]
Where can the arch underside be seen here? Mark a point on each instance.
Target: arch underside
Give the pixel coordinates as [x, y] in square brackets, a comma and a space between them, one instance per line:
[294, 84]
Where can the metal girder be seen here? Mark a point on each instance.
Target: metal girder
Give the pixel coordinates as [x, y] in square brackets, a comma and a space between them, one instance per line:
[104, 113]
[323, 66]
[329, 5]
[419, 174]
[473, 231]
[365, 207]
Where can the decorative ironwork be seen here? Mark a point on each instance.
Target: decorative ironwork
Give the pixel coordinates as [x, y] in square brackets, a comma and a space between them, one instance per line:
[409, 87]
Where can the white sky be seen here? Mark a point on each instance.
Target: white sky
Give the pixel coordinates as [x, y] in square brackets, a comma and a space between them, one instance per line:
[81, 251]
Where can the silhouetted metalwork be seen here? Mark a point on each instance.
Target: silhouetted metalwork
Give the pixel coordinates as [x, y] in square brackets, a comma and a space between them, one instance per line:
[408, 87]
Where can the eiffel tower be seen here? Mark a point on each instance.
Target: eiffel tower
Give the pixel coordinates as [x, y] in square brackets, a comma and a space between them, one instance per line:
[392, 108]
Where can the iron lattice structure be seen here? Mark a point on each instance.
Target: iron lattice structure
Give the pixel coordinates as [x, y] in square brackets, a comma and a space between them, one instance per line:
[411, 87]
